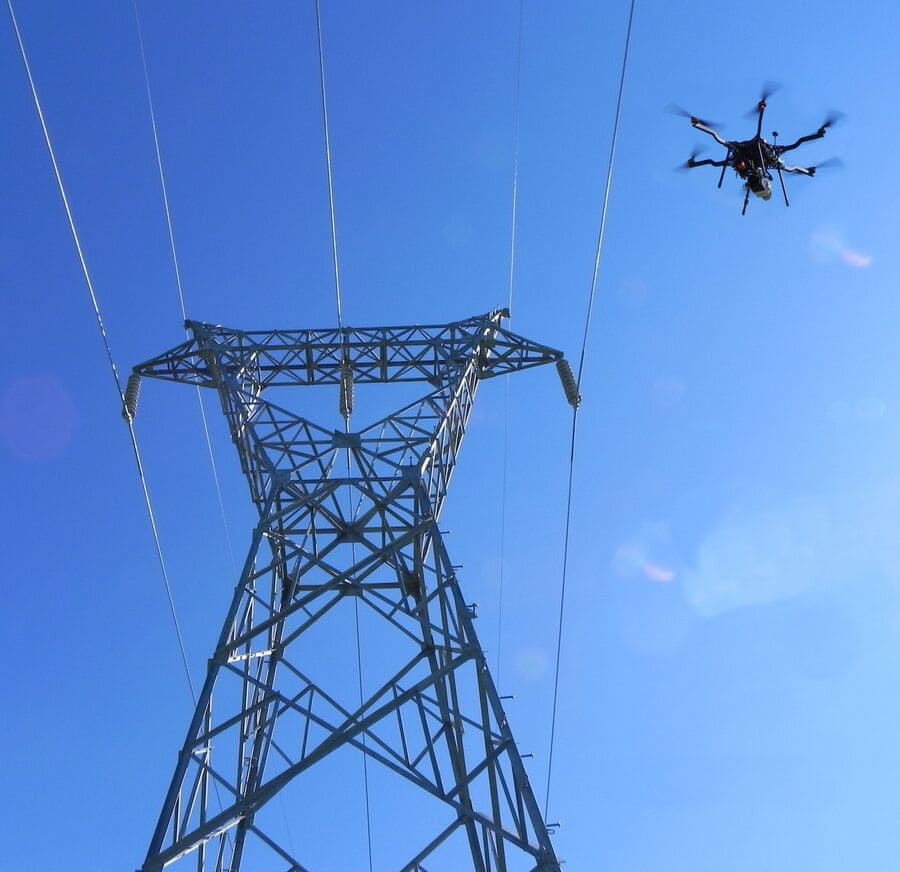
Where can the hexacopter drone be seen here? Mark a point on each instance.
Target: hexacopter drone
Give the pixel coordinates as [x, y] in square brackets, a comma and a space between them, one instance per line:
[752, 159]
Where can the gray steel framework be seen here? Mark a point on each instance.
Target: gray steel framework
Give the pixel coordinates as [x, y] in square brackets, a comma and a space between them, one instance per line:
[349, 518]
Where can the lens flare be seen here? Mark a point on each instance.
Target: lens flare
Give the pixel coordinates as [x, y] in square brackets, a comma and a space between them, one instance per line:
[37, 418]
[630, 560]
[856, 259]
[827, 245]
[531, 664]
[655, 572]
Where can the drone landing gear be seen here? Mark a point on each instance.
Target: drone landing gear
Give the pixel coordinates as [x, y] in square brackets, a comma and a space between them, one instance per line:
[746, 199]
[778, 166]
[724, 167]
[783, 189]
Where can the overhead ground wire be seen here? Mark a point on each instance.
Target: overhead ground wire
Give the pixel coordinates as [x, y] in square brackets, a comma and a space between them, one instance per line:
[101, 326]
[580, 372]
[178, 283]
[324, 96]
[509, 302]
[340, 318]
[164, 189]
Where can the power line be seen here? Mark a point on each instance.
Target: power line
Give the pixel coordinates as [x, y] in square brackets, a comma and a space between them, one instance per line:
[346, 402]
[334, 251]
[178, 283]
[515, 185]
[181, 300]
[512, 273]
[587, 324]
[106, 344]
[159, 163]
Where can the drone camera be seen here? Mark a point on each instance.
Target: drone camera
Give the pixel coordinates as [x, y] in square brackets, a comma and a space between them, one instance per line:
[760, 186]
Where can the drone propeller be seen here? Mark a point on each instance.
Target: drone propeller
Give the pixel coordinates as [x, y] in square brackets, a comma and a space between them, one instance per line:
[689, 163]
[832, 162]
[769, 88]
[675, 109]
[830, 119]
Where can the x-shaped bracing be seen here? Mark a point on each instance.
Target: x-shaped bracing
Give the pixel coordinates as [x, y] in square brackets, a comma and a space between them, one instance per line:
[349, 520]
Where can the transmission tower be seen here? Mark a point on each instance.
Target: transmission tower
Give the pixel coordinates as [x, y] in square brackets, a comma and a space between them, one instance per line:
[349, 520]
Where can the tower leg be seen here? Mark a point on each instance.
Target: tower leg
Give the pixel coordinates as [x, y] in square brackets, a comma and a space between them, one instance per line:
[294, 692]
[265, 718]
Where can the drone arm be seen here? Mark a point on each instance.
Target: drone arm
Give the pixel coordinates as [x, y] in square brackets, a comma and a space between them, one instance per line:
[706, 163]
[809, 138]
[803, 171]
[699, 125]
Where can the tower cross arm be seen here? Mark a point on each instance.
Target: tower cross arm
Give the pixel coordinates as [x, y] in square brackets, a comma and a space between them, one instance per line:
[183, 363]
[505, 352]
[413, 353]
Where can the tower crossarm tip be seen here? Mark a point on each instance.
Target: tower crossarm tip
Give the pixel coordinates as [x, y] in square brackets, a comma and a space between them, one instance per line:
[183, 363]
[506, 352]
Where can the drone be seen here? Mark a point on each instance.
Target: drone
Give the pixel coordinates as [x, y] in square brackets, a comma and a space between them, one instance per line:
[753, 159]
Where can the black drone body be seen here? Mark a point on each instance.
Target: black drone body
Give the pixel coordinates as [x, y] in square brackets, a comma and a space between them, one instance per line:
[755, 159]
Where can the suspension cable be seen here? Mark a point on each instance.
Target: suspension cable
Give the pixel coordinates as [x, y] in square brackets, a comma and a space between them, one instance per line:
[334, 251]
[587, 324]
[509, 302]
[180, 288]
[159, 163]
[101, 326]
[345, 407]
[178, 283]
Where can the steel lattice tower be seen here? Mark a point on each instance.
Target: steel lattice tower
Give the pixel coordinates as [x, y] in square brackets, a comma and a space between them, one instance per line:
[349, 519]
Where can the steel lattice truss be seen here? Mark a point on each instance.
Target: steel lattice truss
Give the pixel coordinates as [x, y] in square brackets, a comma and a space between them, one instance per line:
[349, 520]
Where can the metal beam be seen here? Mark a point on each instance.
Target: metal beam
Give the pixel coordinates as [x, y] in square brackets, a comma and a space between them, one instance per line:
[367, 537]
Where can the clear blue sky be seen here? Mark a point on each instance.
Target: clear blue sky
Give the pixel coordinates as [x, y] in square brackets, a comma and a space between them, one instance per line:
[731, 650]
